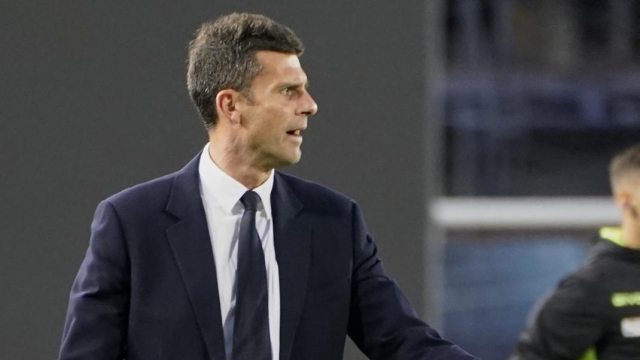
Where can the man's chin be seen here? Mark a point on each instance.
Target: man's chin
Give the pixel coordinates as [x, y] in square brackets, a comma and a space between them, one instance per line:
[288, 161]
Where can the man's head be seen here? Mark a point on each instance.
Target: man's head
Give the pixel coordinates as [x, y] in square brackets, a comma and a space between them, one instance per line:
[624, 172]
[249, 87]
[223, 56]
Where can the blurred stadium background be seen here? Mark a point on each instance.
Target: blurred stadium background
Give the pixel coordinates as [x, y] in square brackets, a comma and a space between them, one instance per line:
[538, 95]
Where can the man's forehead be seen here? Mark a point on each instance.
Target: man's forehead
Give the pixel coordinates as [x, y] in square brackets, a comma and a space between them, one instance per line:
[629, 179]
[272, 61]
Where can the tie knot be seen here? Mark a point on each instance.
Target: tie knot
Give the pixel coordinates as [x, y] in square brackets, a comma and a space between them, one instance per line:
[250, 200]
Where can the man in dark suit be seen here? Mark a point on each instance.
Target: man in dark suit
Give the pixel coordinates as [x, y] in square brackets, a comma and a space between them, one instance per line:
[229, 259]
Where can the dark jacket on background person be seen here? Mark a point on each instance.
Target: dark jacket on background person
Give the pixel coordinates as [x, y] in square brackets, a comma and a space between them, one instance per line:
[594, 313]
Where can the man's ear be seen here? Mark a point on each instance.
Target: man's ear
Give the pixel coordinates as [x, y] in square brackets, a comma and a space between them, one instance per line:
[623, 200]
[227, 105]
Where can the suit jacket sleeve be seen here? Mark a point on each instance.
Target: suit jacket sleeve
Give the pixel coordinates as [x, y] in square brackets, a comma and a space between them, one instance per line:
[564, 325]
[382, 321]
[96, 322]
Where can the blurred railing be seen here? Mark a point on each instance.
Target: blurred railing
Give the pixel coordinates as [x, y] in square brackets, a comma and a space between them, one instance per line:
[524, 213]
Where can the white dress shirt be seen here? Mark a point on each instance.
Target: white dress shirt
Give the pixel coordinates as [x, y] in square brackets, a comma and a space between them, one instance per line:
[221, 198]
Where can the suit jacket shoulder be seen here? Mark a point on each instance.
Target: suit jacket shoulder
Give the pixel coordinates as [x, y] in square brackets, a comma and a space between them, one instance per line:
[146, 192]
[147, 199]
[318, 198]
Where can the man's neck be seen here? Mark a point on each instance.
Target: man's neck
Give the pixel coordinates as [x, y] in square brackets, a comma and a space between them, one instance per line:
[631, 234]
[235, 165]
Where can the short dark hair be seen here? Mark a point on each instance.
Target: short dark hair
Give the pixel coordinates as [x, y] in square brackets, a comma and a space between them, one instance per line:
[222, 56]
[624, 163]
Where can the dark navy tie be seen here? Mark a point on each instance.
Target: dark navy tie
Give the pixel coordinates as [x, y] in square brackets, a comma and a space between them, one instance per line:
[251, 329]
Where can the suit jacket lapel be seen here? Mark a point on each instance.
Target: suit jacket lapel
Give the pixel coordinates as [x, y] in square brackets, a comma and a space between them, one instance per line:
[292, 237]
[191, 245]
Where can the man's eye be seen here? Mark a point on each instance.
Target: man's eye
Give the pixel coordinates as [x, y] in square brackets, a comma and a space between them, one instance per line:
[287, 91]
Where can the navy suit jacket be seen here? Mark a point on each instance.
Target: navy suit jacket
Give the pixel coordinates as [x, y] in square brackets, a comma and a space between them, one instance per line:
[147, 288]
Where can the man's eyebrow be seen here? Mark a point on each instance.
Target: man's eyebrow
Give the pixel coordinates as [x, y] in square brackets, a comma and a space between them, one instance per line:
[295, 85]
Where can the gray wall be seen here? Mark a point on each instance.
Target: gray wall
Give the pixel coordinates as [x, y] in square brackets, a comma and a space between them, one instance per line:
[93, 100]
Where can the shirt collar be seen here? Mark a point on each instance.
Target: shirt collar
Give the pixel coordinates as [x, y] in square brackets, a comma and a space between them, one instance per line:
[613, 234]
[227, 191]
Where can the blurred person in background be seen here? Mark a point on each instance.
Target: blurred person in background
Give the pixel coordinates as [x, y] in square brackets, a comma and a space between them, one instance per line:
[229, 259]
[594, 313]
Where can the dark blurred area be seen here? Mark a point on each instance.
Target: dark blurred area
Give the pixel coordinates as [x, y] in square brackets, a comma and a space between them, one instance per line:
[539, 94]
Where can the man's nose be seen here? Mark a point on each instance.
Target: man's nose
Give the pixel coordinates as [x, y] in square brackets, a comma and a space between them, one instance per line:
[308, 106]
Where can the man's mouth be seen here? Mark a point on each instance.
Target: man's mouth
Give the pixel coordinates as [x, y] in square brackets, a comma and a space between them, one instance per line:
[294, 132]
